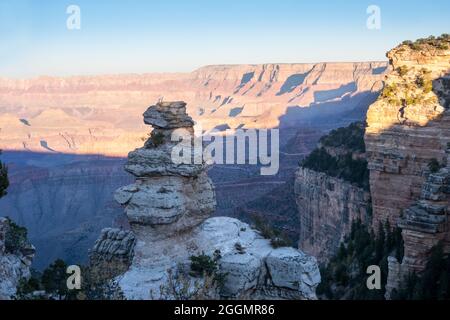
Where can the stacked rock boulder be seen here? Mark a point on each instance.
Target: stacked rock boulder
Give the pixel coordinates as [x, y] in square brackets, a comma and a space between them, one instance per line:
[168, 208]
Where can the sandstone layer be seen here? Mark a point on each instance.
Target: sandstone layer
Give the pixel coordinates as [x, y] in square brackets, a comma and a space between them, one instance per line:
[101, 114]
[408, 126]
[169, 210]
[408, 141]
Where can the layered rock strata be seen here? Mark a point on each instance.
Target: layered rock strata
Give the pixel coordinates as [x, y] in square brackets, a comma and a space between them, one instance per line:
[407, 141]
[112, 254]
[408, 126]
[327, 207]
[168, 208]
[424, 225]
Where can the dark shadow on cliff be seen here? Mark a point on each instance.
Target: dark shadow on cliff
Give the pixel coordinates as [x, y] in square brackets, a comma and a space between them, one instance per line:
[64, 201]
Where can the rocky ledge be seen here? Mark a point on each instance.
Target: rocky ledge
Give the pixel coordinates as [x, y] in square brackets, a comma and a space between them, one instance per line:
[16, 256]
[168, 209]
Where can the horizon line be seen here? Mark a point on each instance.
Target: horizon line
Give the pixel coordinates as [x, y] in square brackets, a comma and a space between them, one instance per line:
[86, 75]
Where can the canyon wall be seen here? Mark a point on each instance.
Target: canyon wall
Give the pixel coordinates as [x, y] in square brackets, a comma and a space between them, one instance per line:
[327, 207]
[408, 145]
[408, 126]
[101, 114]
[54, 125]
[331, 191]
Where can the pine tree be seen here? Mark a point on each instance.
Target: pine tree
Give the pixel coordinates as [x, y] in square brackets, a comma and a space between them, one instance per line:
[4, 182]
[54, 278]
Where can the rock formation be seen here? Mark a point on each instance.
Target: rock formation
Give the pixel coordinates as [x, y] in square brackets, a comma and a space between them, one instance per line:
[408, 126]
[69, 121]
[327, 207]
[331, 191]
[85, 115]
[408, 140]
[168, 208]
[15, 261]
[425, 224]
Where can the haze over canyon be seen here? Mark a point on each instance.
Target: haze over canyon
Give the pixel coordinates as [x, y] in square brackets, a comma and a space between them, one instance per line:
[65, 139]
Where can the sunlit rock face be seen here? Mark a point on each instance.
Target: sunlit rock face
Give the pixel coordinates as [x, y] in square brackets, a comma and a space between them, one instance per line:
[408, 147]
[408, 126]
[63, 194]
[169, 211]
[101, 114]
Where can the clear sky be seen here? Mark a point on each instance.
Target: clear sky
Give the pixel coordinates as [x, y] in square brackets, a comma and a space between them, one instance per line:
[139, 36]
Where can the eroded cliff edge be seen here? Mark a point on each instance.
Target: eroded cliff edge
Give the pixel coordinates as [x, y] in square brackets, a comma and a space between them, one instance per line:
[408, 142]
[168, 208]
[331, 191]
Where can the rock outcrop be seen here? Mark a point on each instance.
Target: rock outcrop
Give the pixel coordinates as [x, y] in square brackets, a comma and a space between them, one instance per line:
[168, 208]
[408, 126]
[331, 191]
[424, 225]
[61, 125]
[112, 254]
[327, 207]
[408, 140]
[15, 261]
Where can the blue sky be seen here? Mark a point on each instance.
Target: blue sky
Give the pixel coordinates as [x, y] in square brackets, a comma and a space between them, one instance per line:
[139, 36]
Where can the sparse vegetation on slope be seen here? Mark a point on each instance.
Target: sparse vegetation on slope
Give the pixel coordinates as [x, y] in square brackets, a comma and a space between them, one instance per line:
[345, 276]
[15, 237]
[432, 284]
[440, 43]
[4, 182]
[350, 141]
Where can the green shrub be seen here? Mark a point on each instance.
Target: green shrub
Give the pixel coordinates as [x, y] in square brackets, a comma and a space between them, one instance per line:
[389, 91]
[342, 167]
[277, 238]
[402, 71]
[15, 238]
[345, 274]
[204, 265]
[157, 138]
[54, 279]
[26, 287]
[434, 165]
[4, 182]
[351, 137]
[432, 284]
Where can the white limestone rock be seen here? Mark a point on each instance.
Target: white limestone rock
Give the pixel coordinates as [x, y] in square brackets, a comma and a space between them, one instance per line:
[246, 274]
[14, 266]
[168, 208]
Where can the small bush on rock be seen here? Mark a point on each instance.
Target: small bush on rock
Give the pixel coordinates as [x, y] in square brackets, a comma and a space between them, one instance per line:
[434, 165]
[15, 238]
